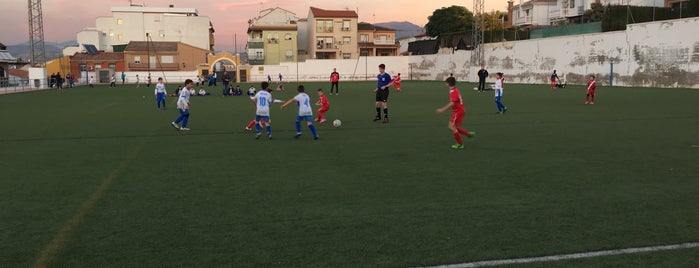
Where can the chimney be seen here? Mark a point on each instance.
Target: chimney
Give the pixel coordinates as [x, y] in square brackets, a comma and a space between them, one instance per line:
[508, 23]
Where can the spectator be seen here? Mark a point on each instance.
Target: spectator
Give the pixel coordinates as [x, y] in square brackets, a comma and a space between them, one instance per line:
[203, 92]
[251, 91]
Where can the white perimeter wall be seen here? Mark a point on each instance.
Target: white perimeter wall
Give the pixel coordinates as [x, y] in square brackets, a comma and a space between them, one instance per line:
[659, 54]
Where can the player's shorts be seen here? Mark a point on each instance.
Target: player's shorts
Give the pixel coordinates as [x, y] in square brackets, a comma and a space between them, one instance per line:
[262, 118]
[591, 91]
[323, 109]
[457, 117]
[160, 96]
[382, 95]
[307, 118]
[397, 85]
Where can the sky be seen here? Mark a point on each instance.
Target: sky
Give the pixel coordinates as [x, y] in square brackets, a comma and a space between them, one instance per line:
[63, 19]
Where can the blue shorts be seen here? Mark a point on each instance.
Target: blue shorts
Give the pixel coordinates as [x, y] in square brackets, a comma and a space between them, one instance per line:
[262, 118]
[307, 118]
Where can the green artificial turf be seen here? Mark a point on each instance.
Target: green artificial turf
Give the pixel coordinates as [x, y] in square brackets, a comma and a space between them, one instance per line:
[551, 176]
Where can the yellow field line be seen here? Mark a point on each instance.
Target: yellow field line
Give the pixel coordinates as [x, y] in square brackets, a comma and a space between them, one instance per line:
[48, 253]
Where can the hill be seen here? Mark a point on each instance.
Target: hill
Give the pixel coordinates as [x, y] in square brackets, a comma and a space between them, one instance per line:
[403, 28]
[53, 49]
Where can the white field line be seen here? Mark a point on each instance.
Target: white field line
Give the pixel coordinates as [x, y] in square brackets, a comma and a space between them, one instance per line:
[572, 256]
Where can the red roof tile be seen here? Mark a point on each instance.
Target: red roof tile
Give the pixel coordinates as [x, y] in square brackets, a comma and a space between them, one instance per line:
[322, 13]
[102, 56]
[18, 73]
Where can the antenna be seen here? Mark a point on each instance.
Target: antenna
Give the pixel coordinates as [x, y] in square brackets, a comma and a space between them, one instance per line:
[37, 52]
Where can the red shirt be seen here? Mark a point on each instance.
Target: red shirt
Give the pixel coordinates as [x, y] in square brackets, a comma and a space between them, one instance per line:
[334, 77]
[324, 102]
[591, 85]
[455, 97]
[396, 80]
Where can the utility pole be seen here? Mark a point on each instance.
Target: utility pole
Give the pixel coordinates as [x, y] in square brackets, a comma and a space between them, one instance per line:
[37, 52]
[478, 31]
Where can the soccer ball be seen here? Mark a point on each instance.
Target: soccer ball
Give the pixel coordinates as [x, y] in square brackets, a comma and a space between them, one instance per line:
[337, 123]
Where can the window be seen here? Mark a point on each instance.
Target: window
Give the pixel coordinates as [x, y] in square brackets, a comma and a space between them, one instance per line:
[346, 56]
[112, 66]
[167, 59]
[320, 42]
[287, 36]
[83, 67]
[289, 55]
[346, 40]
[120, 21]
[572, 3]
[272, 38]
[111, 34]
[329, 42]
[364, 38]
[345, 25]
[324, 26]
[137, 59]
[161, 33]
[120, 37]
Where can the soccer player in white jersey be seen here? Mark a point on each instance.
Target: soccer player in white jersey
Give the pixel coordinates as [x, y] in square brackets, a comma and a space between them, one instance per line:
[305, 111]
[498, 88]
[183, 106]
[160, 93]
[263, 99]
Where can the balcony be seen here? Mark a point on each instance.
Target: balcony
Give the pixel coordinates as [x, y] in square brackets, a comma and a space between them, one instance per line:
[523, 21]
[256, 44]
[385, 42]
[255, 40]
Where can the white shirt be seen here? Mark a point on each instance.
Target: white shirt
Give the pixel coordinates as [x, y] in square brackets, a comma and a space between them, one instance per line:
[160, 88]
[304, 103]
[183, 100]
[264, 99]
[202, 92]
[498, 88]
[252, 90]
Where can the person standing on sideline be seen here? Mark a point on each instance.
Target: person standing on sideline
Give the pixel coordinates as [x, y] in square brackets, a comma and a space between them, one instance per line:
[456, 103]
[384, 82]
[498, 88]
[334, 82]
[591, 88]
[482, 75]
[269, 79]
[160, 93]
[554, 79]
[138, 81]
[123, 78]
[183, 106]
[280, 77]
[91, 81]
[148, 81]
[112, 82]
[198, 81]
[263, 100]
[226, 82]
[324, 106]
[305, 112]
[70, 80]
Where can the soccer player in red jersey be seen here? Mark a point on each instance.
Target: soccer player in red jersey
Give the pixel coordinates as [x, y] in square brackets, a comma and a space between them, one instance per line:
[324, 106]
[591, 87]
[456, 103]
[554, 79]
[396, 83]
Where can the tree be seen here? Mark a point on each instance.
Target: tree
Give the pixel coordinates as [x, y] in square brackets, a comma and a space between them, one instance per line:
[449, 20]
[492, 21]
[596, 13]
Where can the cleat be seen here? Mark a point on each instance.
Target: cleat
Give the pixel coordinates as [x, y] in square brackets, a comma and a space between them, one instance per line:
[248, 129]
[322, 120]
[316, 119]
[174, 125]
[587, 102]
[184, 129]
[592, 102]
[471, 134]
[257, 136]
[457, 146]
[385, 120]
[297, 135]
[269, 137]
[377, 118]
[504, 110]
[315, 138]
[499, 112]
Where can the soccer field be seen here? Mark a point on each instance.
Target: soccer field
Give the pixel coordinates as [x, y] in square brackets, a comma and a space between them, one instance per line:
[98, 178]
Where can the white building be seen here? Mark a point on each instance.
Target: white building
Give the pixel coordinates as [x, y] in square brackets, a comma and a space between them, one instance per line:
[137, 23]
[545, 12]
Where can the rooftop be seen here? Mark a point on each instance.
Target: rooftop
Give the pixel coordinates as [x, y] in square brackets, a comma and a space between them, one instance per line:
[157, 46]
[7, 57]
[171, 10]
[322, 13]
[368, 26]
[102, 56]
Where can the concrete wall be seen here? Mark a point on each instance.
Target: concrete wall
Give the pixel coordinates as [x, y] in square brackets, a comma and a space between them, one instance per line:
[659, 54]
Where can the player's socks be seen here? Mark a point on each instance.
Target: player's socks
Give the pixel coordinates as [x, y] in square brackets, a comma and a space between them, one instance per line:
[252, 123]
[258, 128]
[298, 127]
[463, 131]
[269, 131]
[457, 137]
[313, 130]
[378, 112]
[385, 113]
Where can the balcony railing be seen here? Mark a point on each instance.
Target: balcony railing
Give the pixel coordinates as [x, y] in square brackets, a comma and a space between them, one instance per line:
[523, 20]
[385, 42]
[255, 40]
[159, 66]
